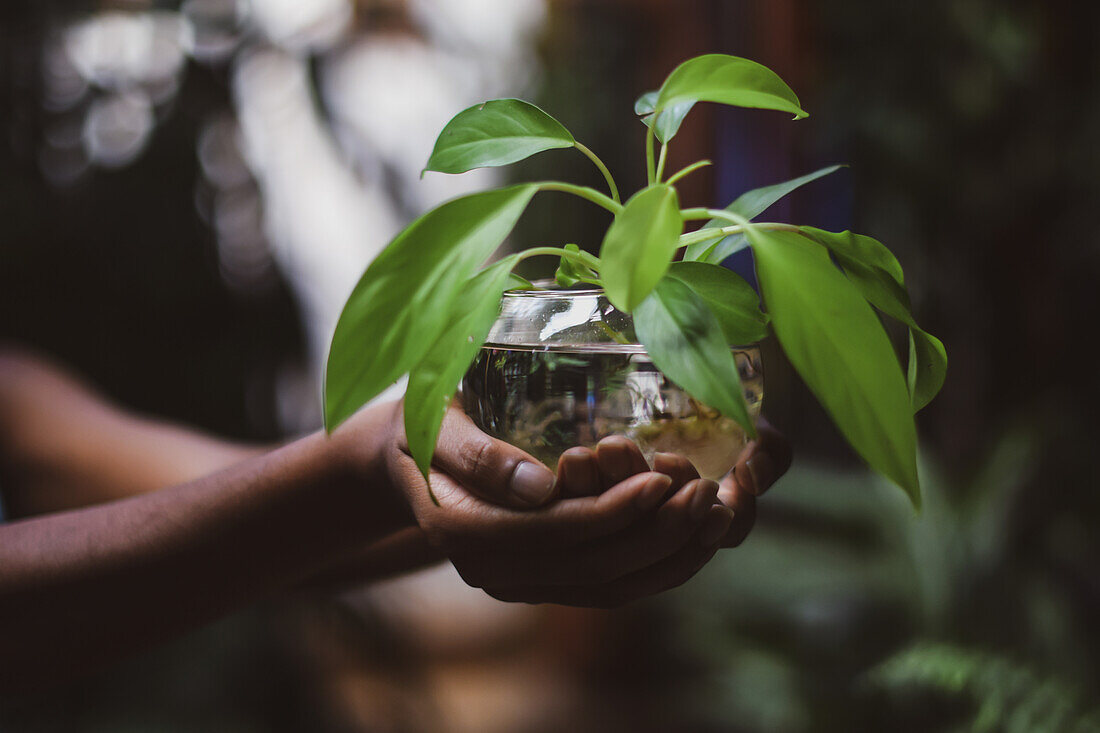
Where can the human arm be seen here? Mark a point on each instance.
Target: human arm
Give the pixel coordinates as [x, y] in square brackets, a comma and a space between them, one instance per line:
[83, 587]
[65, 446]
[79, 588]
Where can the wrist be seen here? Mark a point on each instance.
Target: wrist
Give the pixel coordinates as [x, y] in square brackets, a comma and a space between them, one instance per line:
[358, 457]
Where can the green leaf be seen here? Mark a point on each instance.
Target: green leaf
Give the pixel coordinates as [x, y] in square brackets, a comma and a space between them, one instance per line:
[879, 278]
[750, 205]
[640, 244]
[732, 300]
[570, 273]
[496, 133]
[715, 251]
[433, 382]
[727, 80]
[646, 104]
[518, 282]
[685, 341]
[668, 122]
[851, 247]
[927, 367]
[839, 347]
[400, 305]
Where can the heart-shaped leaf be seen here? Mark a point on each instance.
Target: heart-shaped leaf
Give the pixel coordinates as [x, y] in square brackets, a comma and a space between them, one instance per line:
[496, 133]
[685, 341]
[732, 300]
[668, 122]
[727, 80]
[400, 305]
[433, 382]
[750, 205]
[639, 245]
[840, 349]
[879, 278]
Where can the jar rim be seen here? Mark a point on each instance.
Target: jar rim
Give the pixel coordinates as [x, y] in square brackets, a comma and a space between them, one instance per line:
[550, 289]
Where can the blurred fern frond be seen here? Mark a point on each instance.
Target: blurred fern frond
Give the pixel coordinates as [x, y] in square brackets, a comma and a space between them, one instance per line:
[1009, 695]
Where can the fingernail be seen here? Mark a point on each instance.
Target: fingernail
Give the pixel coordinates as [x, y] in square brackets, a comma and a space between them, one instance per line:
[702, 498]
[717, 524]
[653, 491]
[531, 483]
[762, 472]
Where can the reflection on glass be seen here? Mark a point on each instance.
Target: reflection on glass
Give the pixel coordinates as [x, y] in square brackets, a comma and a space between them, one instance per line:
[556, 374]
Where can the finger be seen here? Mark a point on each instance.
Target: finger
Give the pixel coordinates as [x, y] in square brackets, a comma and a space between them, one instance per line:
[489, 468]
[646, 543]
[463, 521]
[602, 561]
[678, 468]
[579, 473]
[764, 460]
[619, 459]
[743, 506]
[665, 575]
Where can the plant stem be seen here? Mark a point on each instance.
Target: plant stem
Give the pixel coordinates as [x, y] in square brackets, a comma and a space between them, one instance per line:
[582, 258]
[612, 333]
[603, 169]
[728, 216]
[584, 192]
[689, 170]
[702, 235]
[651, 171]
[661, 164]
[695, 214]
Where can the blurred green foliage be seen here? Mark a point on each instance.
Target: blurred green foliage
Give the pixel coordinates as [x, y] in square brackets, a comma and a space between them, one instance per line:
[1010, 696]
[801, 628]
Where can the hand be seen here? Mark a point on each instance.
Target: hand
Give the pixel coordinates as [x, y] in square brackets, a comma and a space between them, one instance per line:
[760, 465]
[643, 535]
[585, 472]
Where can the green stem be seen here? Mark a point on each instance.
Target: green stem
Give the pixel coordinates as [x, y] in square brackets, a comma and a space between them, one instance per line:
[702, 235]
[584, 192]
[695, 214]
[727, 215]
[689, 170]
[583, 258]
[661, 164]
[651, 170]
[615, 335]
[603, 169]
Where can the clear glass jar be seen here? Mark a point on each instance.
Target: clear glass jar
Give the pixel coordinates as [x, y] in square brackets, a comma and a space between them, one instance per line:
[562, 368]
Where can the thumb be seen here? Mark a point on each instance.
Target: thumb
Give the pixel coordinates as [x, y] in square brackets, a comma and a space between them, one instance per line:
[489, 468]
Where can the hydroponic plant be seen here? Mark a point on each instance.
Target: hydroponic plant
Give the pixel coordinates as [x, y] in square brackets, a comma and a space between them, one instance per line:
[425, 306]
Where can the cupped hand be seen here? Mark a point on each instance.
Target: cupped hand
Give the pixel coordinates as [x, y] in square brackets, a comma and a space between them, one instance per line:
[644, 534]
[586, 472]
[760, 465]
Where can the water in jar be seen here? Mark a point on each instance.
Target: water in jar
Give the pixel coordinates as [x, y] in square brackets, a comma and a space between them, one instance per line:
[546, 401]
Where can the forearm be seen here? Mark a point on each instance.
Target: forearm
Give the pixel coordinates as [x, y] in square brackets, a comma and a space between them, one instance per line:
[81, 587]
[62, 446]
[401, 552]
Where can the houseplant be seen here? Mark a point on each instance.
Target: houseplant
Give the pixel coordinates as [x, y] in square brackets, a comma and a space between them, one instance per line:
[426, 304]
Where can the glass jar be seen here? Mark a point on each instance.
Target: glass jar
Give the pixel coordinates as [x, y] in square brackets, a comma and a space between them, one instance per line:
[562, 368]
